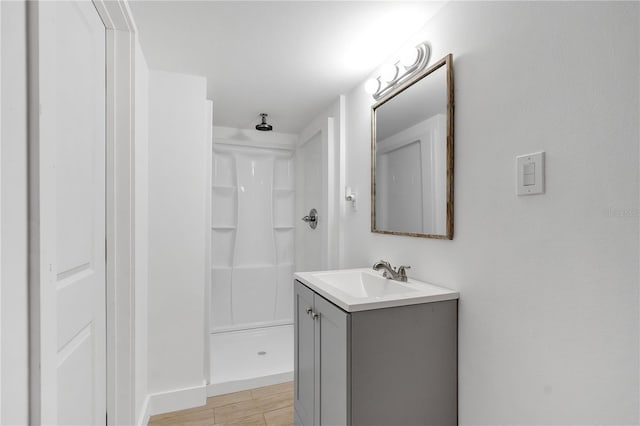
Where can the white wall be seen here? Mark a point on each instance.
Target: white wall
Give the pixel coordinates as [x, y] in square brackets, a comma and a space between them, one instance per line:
[14, 332]
[549, 284]
[177, 178]
[141, 230]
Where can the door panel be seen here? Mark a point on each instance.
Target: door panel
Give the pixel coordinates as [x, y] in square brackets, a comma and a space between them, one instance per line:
[75, 380]
[73, 315]
[71, 203]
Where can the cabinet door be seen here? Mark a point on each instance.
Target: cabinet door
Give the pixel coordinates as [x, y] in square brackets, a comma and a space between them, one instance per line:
[332, 333]
[304, 359]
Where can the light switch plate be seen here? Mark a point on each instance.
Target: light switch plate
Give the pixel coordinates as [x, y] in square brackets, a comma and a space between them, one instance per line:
[530, 174]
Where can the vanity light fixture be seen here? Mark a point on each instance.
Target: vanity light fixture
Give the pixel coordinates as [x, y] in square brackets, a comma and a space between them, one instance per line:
[411, 61]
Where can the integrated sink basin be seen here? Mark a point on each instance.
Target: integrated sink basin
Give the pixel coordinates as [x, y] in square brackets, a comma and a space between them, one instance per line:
[363, 284]
[364, 289]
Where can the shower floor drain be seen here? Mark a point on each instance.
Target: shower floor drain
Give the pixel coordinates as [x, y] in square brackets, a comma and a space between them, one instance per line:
[262, 353]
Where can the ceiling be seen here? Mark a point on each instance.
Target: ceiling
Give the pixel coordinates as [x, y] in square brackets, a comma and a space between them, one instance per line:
[290, 59]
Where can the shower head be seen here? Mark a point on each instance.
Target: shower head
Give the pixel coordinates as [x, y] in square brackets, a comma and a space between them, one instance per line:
[264, 126]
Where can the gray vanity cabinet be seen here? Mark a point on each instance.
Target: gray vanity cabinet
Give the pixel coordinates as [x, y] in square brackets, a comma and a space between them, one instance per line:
[321, 360]
[392, 366]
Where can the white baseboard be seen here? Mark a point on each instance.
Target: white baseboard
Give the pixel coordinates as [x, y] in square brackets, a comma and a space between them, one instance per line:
[179, 399]
[143, 419]
[240, 385]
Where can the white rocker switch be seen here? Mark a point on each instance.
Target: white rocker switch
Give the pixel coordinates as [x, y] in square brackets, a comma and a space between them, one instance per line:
[530, 174]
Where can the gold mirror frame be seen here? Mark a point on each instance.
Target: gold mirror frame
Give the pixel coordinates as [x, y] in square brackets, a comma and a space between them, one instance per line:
[447, 62]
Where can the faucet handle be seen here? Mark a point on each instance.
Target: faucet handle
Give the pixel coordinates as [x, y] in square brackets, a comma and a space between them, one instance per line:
[402, 273]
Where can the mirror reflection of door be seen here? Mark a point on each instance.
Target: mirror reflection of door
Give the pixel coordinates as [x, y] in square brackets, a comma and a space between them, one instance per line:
[411, 194]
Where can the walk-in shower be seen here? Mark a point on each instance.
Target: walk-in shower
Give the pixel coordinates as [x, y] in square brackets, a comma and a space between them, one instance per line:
[253, 235]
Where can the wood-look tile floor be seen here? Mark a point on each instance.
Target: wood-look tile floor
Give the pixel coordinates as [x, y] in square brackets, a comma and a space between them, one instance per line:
[267, 406]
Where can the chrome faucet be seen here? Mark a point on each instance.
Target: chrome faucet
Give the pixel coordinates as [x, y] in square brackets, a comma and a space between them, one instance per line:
[390, 272]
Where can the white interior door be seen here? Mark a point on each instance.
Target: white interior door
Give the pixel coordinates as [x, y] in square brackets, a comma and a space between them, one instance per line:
[70, 209]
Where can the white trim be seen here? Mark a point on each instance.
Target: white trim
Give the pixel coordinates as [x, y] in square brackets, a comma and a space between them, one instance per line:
[14, 387]
[329, 155]
[120, 26]
[178, 399]
[207, 240]
[249, 326]
[120, 228]
[143, 418]
[342, 178]
[255, 382]
[115, 15]
[42, 337]
[1, 233]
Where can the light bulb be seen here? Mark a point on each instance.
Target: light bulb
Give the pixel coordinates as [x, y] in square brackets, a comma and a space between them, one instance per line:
[409, 57]
[371, 86]
[388, 73]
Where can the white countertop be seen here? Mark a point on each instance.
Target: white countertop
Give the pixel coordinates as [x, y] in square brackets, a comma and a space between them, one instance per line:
[364, 289]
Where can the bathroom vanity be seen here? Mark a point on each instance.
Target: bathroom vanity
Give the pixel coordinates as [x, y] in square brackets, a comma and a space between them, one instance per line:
[372, 351]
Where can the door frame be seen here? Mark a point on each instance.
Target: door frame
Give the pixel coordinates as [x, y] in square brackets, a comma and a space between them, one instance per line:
[120, 102]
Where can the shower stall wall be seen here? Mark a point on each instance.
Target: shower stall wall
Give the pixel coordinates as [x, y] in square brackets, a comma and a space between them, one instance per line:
[253, 238]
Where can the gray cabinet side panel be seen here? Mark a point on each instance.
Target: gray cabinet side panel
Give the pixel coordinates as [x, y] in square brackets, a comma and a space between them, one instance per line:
[404, 365]
[304, 356]
[333, 330]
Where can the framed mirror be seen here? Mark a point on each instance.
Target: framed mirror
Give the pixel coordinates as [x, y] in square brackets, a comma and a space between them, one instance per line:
[412, 156]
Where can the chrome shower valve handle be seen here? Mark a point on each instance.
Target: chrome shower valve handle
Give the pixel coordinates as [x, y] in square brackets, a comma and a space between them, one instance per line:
[311, 219]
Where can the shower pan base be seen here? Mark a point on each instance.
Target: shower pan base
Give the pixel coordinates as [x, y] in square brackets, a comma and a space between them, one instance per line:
[248, 359]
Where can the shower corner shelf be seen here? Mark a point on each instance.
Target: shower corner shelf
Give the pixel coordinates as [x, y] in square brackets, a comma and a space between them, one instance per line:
[221, 267]
[283, 190]
[283, 227]
[223, 227]
[224, 187]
